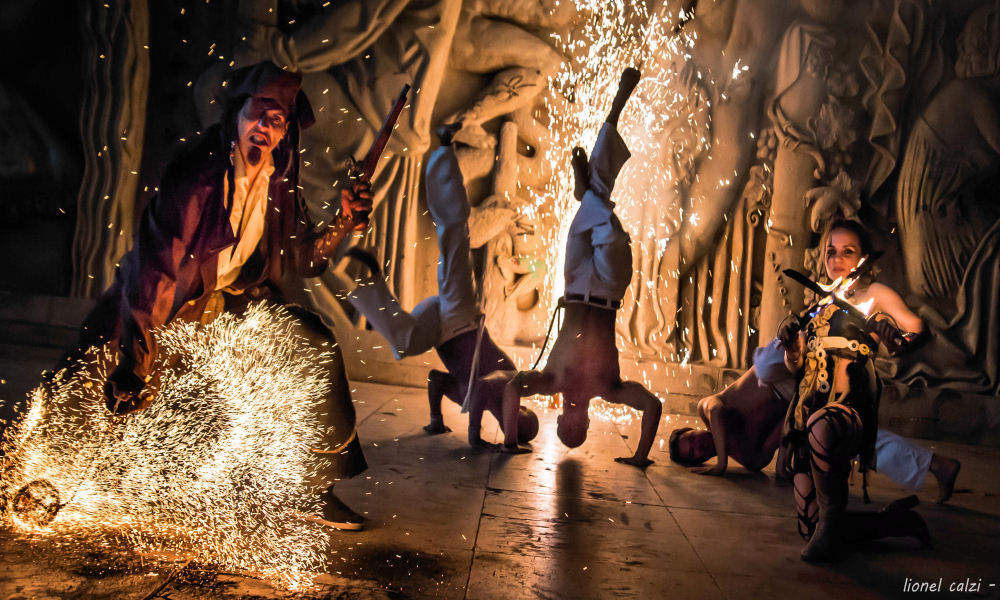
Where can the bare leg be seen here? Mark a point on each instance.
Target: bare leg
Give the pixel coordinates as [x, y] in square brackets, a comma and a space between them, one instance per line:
[634, 395]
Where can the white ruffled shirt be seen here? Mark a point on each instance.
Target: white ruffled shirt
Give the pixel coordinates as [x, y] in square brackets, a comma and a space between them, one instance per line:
[246, 219]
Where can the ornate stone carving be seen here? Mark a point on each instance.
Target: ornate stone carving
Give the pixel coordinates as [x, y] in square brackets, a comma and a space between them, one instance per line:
[842, 82]
[495, 37]
[112, 127]
[949, 220]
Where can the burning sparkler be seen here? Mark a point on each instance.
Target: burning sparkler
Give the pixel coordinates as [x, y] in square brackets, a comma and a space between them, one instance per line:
[218, 468]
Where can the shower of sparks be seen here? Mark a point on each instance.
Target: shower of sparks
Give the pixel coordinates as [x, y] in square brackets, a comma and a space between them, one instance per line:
[218, 468]
[665, 125]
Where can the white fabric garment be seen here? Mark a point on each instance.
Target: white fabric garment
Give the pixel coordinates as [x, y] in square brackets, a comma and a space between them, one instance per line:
[769, 361]
[598, 256]
[454, 310]
[246, 218]
[902, 461]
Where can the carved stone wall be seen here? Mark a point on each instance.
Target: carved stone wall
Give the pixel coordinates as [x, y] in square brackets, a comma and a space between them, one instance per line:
[112, 127]
[850, 117]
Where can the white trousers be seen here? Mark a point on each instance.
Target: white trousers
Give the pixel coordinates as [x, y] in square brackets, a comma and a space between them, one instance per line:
[454, 310]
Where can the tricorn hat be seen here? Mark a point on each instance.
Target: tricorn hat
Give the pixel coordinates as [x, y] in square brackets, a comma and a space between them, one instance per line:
[265, 81]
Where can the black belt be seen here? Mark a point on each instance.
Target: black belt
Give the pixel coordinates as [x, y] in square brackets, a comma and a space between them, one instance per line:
[594, 300]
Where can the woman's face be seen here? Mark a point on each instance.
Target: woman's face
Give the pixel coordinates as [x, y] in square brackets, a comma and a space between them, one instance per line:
[843, 253]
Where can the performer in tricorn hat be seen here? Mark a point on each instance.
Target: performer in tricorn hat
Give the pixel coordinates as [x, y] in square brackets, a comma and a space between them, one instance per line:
[227, 223]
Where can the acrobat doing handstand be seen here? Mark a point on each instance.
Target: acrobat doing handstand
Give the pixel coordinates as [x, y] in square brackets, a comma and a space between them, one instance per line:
[451, 322]
[583, 363]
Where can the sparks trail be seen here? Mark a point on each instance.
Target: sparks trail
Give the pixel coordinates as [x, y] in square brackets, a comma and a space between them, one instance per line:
[217, 468]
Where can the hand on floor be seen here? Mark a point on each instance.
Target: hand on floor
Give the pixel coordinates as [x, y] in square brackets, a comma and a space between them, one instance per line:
[716, 470]
[642, 463]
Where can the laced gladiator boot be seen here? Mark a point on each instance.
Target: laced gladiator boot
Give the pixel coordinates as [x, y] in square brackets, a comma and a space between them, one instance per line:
[831, 495]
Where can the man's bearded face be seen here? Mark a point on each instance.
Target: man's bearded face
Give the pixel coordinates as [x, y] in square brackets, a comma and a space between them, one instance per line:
[262, 124]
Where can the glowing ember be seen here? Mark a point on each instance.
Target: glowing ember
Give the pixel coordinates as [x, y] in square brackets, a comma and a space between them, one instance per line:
[216, 469]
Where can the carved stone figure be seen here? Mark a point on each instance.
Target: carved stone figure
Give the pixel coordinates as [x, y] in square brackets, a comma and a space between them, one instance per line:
[513, 272]
[522, 62]
[112, 124]
[949, 216]
[844, 76]
[495, 37]
[691, 297]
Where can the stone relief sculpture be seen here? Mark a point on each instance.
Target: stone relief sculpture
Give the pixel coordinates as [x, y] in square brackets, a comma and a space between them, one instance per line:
[112, 126]
[491, 38]
[513, 272]
[691, 298]
[845, 74]
[949, 216]
[495, 37]
[786, 143]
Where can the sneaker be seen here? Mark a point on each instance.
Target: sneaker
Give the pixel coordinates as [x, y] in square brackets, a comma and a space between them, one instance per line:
[338, 515]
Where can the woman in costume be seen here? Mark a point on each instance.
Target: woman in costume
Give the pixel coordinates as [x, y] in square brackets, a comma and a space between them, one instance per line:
[834, 415]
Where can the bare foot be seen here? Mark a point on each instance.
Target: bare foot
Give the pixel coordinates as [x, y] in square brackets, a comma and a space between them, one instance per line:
[945, 470]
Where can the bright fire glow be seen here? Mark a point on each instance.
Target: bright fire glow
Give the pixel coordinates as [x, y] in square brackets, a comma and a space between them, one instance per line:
[217, 468]
[865, 307]
[664, 125]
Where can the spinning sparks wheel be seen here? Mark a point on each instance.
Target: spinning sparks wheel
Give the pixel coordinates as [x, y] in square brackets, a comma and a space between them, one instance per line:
[36, 503]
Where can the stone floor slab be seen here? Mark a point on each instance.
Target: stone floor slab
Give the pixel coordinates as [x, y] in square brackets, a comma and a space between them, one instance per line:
[449, 521]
